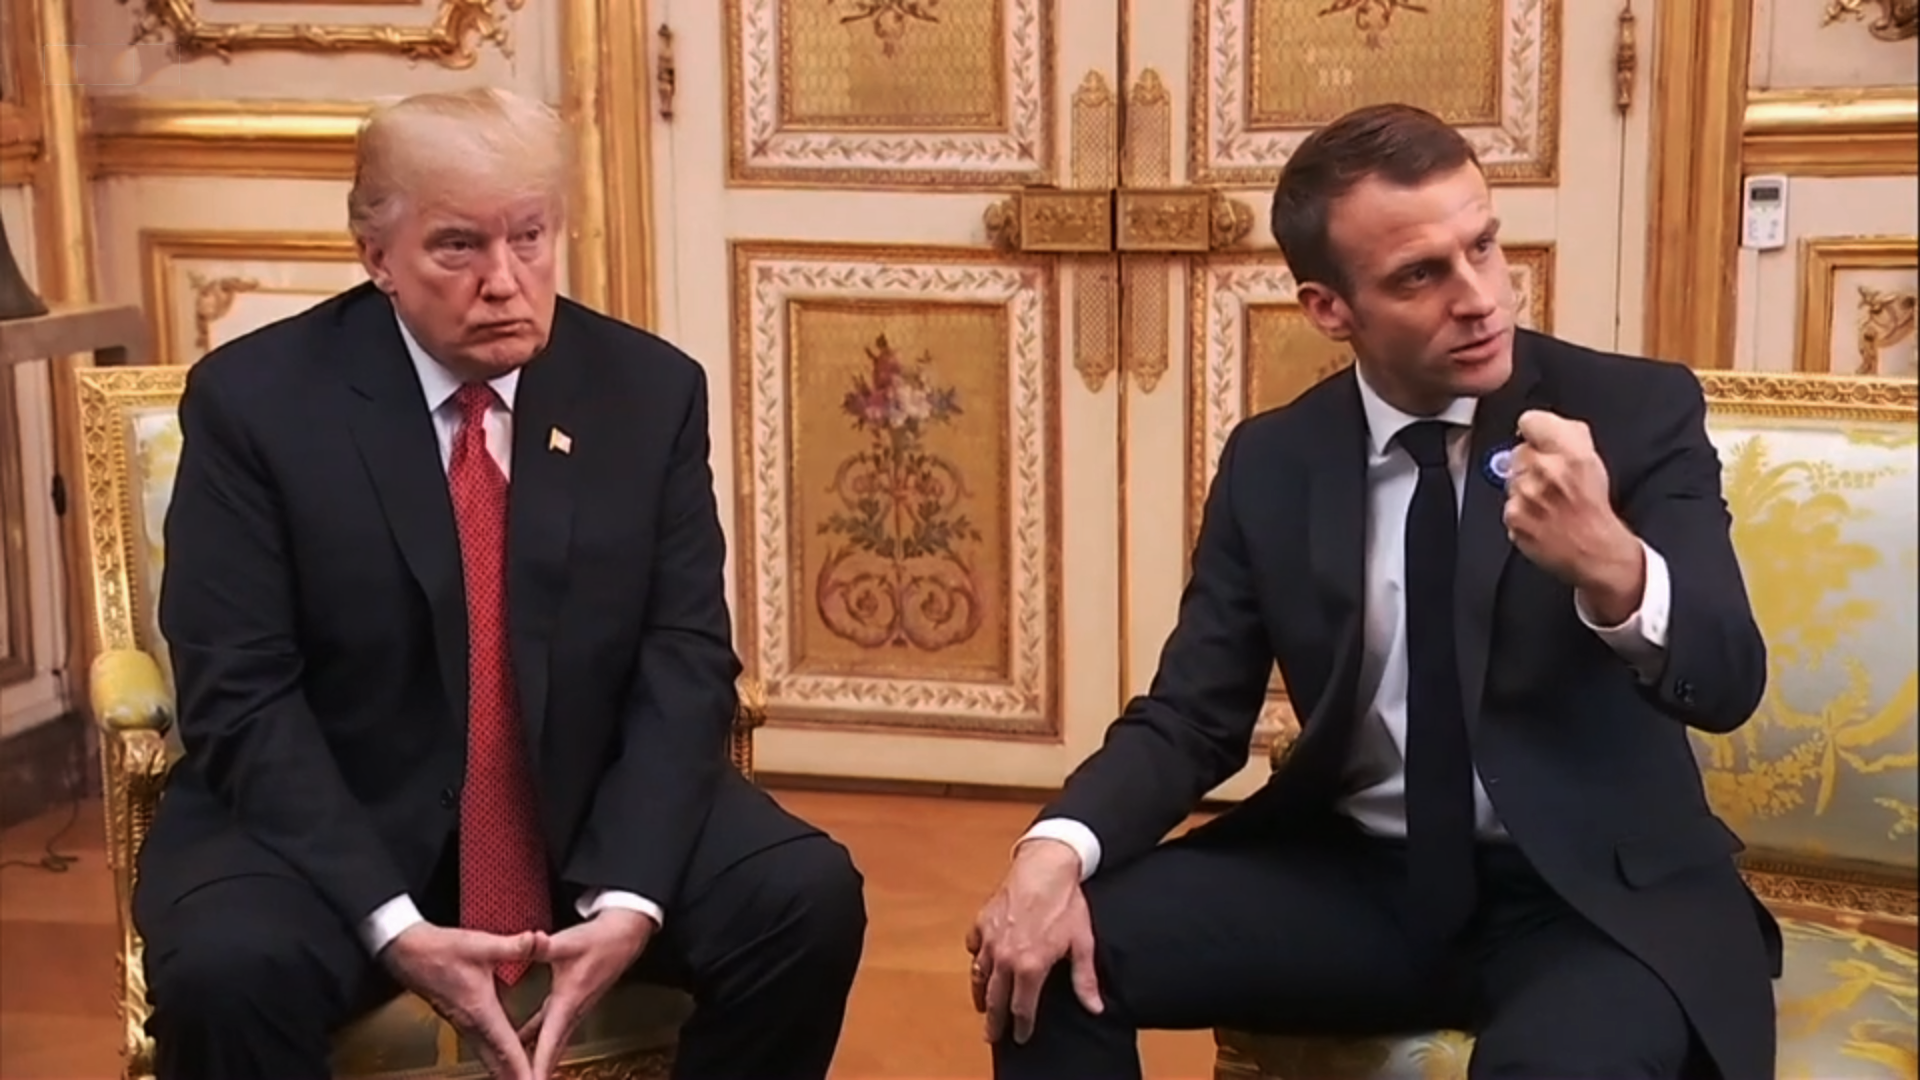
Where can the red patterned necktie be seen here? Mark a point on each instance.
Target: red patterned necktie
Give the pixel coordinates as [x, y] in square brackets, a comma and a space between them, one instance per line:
[503, 873]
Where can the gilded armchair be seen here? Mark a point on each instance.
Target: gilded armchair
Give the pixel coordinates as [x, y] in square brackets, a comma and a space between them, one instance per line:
[1820, 476]
[130, 445]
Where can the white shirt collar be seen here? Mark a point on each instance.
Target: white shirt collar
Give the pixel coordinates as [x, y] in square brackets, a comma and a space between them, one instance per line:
[439, 384]
[1385, 421]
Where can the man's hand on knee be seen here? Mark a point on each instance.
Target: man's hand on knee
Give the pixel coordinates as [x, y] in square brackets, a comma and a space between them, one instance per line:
[453, 971]
[1038, 916]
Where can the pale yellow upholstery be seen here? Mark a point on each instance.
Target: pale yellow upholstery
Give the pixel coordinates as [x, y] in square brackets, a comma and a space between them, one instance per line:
[131, 446]
[1820, 475]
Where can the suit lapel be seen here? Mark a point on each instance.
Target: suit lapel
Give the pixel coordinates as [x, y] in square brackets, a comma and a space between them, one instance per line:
[540, 513]
[395, 435]
[1337, 504]
[1484, 546]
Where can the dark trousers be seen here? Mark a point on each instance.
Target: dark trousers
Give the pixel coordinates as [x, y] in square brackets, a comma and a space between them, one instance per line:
[249, 975]
[1309, 936]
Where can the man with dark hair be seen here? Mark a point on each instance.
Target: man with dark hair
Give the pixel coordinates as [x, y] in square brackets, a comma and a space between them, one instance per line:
[1495, 571]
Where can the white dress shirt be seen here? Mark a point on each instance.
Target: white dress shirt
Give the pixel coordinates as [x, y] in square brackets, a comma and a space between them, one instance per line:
[439, 385]
[1376, 771]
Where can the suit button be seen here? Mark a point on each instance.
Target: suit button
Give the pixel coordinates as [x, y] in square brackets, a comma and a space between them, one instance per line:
[1683, 690]
[448, 798]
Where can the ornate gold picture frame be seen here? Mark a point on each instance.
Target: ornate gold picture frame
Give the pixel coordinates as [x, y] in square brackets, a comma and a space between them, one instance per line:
[453, 39]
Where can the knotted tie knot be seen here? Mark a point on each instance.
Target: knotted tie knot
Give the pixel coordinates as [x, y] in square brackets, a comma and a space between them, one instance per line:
[1426, 442]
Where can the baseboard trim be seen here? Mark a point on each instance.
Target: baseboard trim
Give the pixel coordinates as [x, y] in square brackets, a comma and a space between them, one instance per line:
[46, 766]
[874, 785]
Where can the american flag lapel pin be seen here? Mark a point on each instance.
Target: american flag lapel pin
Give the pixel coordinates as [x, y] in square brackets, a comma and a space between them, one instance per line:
[559, 441]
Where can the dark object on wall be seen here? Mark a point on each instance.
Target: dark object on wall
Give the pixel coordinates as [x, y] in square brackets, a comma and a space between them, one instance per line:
[17, 298]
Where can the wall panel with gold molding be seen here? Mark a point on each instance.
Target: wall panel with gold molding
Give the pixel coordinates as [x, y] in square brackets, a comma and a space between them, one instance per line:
[1834, 44]
[288, 51]
[204, 289]
[1835, 108]
[262, 248]
[219, 116]
[32, 621]
[1265, 72]
[866, 94]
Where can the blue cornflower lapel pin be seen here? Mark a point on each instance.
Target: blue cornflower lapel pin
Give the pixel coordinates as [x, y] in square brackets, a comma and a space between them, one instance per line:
[1498, 468]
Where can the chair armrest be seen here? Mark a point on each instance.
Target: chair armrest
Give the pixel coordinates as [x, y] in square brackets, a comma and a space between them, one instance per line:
[749, 716]
[134, 711]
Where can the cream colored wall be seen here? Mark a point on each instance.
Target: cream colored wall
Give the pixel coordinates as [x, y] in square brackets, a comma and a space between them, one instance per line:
[1853, 200]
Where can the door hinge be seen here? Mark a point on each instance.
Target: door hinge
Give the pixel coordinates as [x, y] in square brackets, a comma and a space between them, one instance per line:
[663, 73]
[1626, 60]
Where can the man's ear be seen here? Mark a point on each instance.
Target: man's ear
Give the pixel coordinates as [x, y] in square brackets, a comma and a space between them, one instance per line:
[1326, 309]
[373, 258]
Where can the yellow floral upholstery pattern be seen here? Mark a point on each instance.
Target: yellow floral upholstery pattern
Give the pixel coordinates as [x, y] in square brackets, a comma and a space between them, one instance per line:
[131, 442]
[1824, 522]
[1846, 1006]
[1822, 477]
[155, 434]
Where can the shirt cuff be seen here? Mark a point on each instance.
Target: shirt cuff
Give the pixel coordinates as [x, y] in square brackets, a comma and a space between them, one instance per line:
[1073, 834]
[594, 901]
[387, 922]
[1641, 640]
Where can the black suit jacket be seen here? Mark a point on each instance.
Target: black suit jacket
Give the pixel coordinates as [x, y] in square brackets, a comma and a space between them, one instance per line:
[1590, 771]
[314, 605]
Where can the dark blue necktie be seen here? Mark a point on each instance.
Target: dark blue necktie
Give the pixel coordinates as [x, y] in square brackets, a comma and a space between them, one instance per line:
[1440, 855]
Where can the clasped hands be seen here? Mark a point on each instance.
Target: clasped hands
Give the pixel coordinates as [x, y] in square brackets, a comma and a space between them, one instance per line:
[453, 970]
[1559, 514]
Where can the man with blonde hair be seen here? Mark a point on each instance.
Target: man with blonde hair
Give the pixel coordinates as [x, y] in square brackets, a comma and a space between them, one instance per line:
[445, 600]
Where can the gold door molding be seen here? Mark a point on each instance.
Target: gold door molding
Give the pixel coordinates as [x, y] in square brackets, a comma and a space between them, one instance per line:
[1254, 101]
[131, 135]
[1120, 240]
[810, 105]
[898, 494]
[1701, 53]
[1873, 131]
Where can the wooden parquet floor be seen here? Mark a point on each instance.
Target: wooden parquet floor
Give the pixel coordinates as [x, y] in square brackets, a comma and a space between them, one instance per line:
[928, 864]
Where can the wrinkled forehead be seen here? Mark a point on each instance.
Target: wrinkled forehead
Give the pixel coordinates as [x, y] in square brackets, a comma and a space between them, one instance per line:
[1379, 225]
[476, 209]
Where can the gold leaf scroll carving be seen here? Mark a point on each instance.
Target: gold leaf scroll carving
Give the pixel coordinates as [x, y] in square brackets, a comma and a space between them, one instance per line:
[1095, 279]
[1148, 163]
[1371, 17]
[212, 300]
[452, 40]
[1885, 318]
[890, 18]
[1899, 20]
